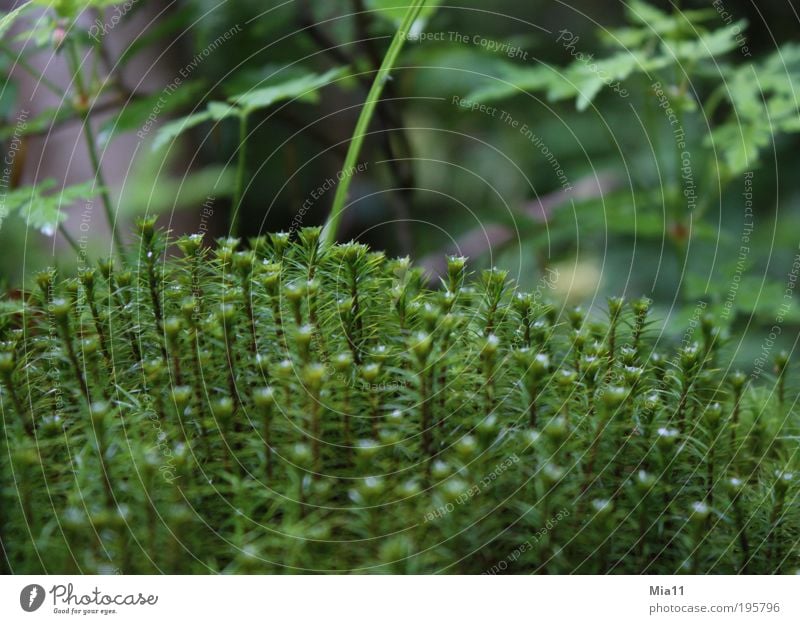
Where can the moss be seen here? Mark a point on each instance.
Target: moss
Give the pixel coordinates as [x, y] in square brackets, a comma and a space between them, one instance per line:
[293, 407]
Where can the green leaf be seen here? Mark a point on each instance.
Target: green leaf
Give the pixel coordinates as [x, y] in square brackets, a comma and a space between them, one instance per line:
[220, 110]
[7, 20]
[267, 75]
[764, 103]
[708, 45]
[394, 10]
[44, 212]
[513, 80]
[40, 123]
[640, 12]
[72, 8]
[740, 143]
[132, 116]
[656, 21]
[586, 76]
[304, 88]
[583, 79]
[216, 111]
[38, 35]
[18, 199]
[625, 37]
[171, 130]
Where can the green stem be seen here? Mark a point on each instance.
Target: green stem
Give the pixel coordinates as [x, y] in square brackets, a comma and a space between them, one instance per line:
[315, 435]
[713, 101]
[332, 225]
[348, 439]
[251, 318]
[69, 238]
[153, 285]
[773, 543]
[91, 145]
[532, 413]
[735, 419]
[425, 420]
[104, 194]
[744, 543]
[22, 412]
[267, 424]
[641, 543]
[73, 358]
[98, 325]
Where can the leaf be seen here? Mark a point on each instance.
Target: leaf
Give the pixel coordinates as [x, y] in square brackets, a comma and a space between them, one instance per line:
[38, 35]
[394, 10]
[304, 88]
[220, 110]
[740, 143]
[764, 103]
[7, 20]
[656, 21]
[40, 123]
[44, 212]
[171, 130]
[513, 80]
[19, 198]
[216, 111]
[583, 79]
[72, 8]
[625, 37]
[641, 12]
[709, 45]
[132, 116]
[262, 76]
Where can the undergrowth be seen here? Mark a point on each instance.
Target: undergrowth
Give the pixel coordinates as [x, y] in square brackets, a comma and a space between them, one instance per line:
[289, 406]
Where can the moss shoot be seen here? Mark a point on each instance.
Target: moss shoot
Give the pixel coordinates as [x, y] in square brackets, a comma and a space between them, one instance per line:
[287, 406]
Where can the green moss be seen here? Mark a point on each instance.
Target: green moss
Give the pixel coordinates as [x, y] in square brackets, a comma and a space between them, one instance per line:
[291, 407]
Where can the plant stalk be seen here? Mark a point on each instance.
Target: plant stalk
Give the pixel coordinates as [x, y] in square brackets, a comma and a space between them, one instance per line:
[357, 140]
[91, 145]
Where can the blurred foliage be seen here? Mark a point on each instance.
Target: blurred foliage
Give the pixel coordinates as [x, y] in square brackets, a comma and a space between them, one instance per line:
[256, 124]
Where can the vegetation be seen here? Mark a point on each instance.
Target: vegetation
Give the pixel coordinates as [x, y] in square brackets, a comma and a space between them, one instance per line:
[292, 406]
[286, 403]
